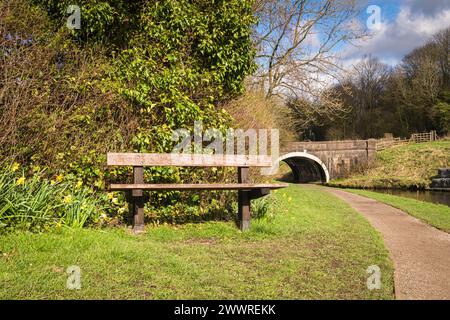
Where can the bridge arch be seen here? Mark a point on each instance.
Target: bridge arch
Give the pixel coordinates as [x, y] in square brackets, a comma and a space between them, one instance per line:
[306, 167]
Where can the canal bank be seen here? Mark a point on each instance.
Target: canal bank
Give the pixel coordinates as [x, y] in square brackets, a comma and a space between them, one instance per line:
[406, 167]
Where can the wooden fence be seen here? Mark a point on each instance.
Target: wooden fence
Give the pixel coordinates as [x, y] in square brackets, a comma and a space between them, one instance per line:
[424, 137]
[383, 144]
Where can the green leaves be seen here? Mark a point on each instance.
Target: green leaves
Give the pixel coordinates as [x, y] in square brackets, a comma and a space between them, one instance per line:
[184, 56]
[161, 66]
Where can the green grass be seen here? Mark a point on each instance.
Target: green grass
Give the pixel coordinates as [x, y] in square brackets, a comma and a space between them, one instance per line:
[434, 214]
[316, 247]
[407, 166]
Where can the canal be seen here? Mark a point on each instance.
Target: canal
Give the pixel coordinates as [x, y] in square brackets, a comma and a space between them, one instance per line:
[440, 197]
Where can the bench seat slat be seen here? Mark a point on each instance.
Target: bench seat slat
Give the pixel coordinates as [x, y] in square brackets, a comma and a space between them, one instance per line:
[187, 160]
[229, 186]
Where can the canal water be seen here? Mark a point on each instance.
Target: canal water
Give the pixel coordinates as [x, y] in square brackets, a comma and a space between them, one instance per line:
[440, 197]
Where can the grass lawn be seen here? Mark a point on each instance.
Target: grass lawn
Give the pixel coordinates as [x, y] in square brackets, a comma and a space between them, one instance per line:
[412, 165]
[316, 247]
[434, 214]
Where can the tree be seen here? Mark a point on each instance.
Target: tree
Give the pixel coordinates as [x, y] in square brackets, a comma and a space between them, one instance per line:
[309, 116]
[412, 97]
[295, 42]
[420, 83]
[442, 41]
[369, 79]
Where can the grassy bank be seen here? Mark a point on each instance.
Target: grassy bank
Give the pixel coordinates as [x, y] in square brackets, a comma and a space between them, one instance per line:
[434, 214]
[316, 247]
[407, 166]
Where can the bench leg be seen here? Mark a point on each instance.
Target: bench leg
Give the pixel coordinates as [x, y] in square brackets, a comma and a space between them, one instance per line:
[138, 219]
[244, 198]
[138, 201]
[129, 199]
[244, 210]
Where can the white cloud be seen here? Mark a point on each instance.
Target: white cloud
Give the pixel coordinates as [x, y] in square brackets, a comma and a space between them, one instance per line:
[411, 29]
[428, 7]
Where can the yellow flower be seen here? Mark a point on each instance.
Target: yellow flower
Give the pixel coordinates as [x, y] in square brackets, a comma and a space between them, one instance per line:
[115, 201]
[290, 199]
[15, 167]
[98, 183]
[110, 195]
[20, 181]
[52, 182]
[79, 184]
[36, 169]
[60, 178]
[68, 199]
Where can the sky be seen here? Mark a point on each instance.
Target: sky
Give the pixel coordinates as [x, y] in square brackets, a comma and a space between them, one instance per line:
[405, 25]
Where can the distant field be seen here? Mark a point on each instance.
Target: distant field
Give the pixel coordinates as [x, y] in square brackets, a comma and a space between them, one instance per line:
[412, 165]
[315, 247]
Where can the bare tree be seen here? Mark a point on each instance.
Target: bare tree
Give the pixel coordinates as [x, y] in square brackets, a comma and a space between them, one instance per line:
[296, 42]
[442, 41]
[308, 113]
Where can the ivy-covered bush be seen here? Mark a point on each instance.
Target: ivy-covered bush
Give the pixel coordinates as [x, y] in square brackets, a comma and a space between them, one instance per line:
[133, 73]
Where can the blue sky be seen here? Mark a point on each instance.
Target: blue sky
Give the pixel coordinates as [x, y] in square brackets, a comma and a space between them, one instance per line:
[405, 25]
[389, 9]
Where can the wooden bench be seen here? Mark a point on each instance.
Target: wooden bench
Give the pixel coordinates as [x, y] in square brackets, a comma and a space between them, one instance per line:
[246, 190]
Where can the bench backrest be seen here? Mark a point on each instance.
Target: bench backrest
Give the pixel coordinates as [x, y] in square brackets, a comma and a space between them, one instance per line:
[187, 160]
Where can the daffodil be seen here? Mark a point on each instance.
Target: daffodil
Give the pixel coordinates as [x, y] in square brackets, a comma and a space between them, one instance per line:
[15, 167]
[110, 195]
[79, 184]
[36, 168]
[20, 181]
[60, 178]
[115, 201]
[68, 199]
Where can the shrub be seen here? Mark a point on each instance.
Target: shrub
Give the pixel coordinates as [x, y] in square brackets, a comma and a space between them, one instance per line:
[135, 71]
[254, 110]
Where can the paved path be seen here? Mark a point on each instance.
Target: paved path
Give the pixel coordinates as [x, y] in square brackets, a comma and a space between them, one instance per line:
[421, 253]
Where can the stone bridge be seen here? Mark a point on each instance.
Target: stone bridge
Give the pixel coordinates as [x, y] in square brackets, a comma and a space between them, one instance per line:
[322, 161]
